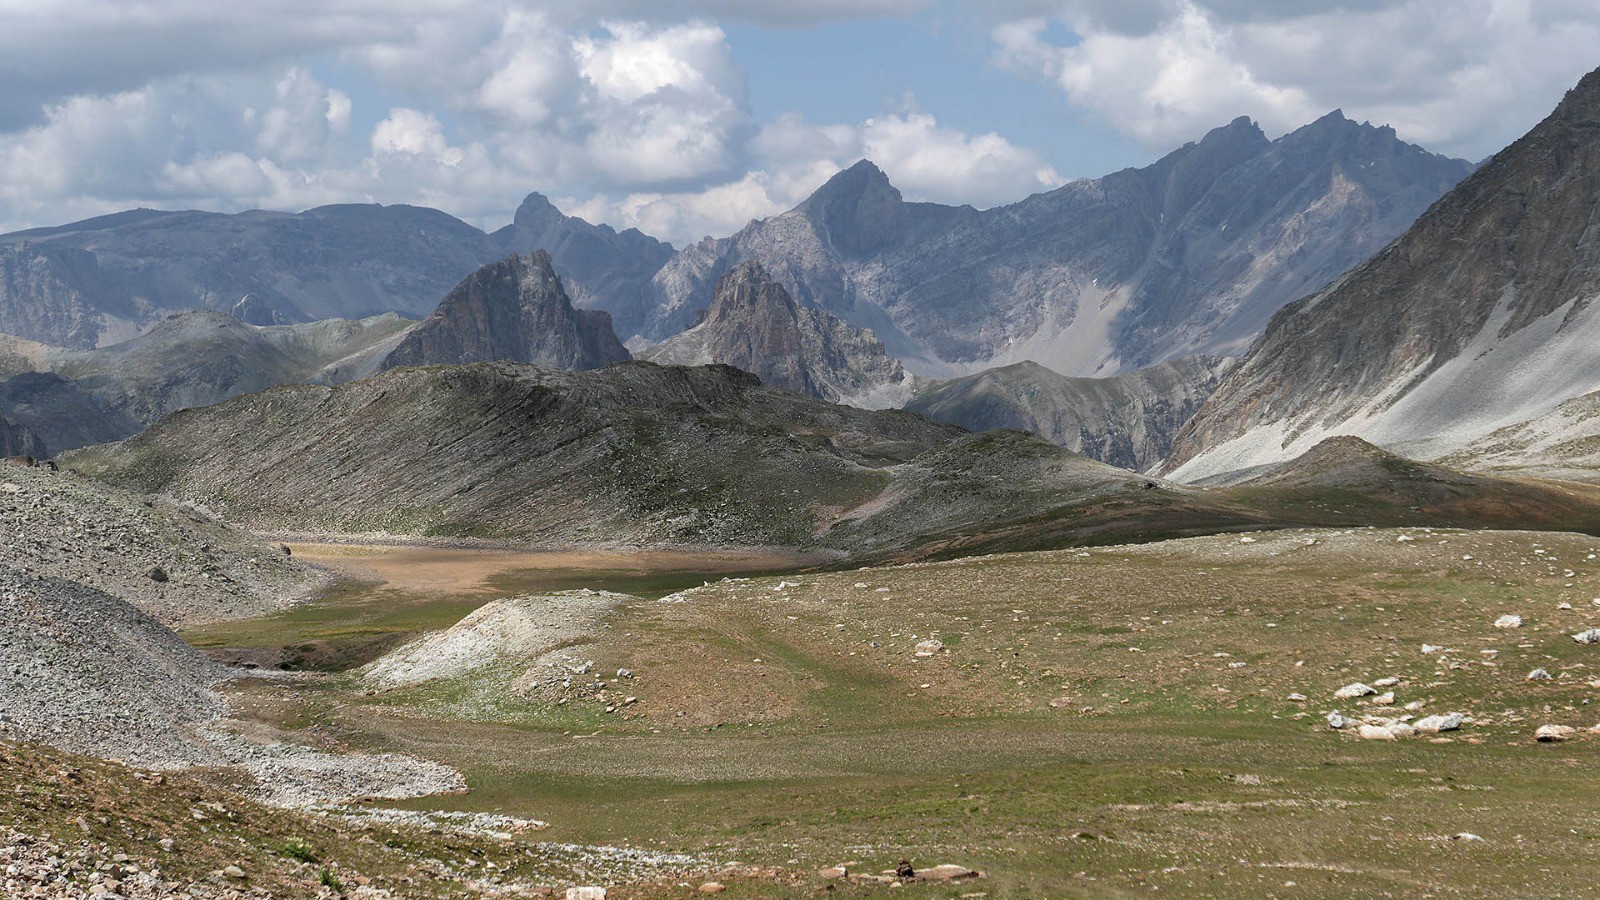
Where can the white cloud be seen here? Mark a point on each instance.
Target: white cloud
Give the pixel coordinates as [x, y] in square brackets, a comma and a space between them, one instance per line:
[928, 161]
[1460, 76]
[793, 158]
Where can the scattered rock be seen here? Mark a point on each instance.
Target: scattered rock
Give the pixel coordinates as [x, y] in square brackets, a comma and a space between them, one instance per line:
[1384, 699]
[233, 872]
[1436, 724]
[1508, 621]
[1465, 836]
[1391, 681]
[1431, 648]
[1296, 697]
[1592, 636]
[1539, 675]
[586, 893]
[157, 574]
[1375, 733]
[834, 872]
[929, 647]
[1550, 734]
[1337, 721]
[1352, 691]
[947, 872]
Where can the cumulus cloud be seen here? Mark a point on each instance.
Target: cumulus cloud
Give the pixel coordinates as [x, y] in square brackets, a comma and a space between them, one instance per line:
[1444, 73]
[792, 158]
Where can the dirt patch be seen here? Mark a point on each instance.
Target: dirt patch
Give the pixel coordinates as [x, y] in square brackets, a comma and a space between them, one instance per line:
[457, 570]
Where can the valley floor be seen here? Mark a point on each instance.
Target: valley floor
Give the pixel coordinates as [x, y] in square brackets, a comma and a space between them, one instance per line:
[1091, 722]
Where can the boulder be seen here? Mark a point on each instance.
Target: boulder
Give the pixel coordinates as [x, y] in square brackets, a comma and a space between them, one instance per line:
[1550, 734]
[1352, 691]
[1436, 724]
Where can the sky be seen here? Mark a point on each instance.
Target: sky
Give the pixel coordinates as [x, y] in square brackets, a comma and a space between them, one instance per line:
[690, 117]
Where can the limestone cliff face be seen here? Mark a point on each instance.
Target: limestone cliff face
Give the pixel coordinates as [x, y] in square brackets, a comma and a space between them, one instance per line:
[1192, 254]
[514, 310]
[755, 325]
[1480, 316]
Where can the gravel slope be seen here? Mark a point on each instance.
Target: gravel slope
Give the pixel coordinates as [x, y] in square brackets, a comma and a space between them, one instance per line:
[59, 526]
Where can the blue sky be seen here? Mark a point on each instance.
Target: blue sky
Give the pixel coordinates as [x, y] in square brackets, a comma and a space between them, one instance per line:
[689, 117]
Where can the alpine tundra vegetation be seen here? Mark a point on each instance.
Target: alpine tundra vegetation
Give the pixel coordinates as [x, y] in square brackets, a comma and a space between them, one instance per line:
[816, 487]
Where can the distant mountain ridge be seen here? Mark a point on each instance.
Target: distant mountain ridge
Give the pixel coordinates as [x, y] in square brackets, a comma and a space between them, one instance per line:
[1189, 255]
[73, 398]
[1481, 316]
[104, 280]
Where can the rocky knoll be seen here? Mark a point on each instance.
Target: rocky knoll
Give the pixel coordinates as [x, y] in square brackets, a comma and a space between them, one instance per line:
[103, 280]
[753, 324]
[514, 310]
[1127, 420]
[73, 398]
[176, 564]
[1191, 254]
[1479, 317]
[634, 452]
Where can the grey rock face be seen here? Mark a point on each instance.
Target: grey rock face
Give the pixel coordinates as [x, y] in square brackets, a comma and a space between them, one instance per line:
[1479, 317]
[516, 311]
[753, 324]
[1191, 254]
[104, 280]
[1126, 420]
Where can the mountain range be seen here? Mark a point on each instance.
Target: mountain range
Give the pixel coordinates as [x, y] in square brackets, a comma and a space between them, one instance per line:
[1480, 318]
[104, 280]
[1191, 254]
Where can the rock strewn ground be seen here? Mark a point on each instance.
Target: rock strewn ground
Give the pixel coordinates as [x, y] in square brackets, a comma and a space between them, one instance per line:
[177, 564]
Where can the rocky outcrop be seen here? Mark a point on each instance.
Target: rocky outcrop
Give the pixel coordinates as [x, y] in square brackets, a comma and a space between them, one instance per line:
[753, 324]
[1126, 420]
[1479, 317]
[104, 280]
[1190, 255]
[516, 311]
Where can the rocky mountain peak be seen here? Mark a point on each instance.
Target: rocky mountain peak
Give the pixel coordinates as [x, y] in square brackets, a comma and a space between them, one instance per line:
[754, 323]
[515, 310]
[1470, 321]
[858, 210]
[536, 211]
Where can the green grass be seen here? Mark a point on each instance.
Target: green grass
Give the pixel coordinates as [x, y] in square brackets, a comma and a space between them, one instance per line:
[1184, 774]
